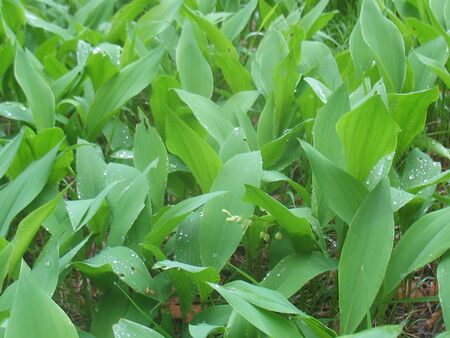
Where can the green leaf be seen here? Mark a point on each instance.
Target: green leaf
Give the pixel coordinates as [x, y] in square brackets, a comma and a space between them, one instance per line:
[16, 111]
[361, 54]
[233, 26]
[157, 19]
[272, 50]
[127, 208]
[293, 272]
[125, 264]
[37, 90]
[235, 74]
[308, 20]
[176, 214]
[34, 311]
[210, 116]
[210, 319]
[420, 171]
[218, 238]
[269, 323]
[427, 239]
[200, 273]
[436, 67]
[125, 328]
[386, 43]
[342, 192]
[118, 90]
[194, 71]
[10, 256]
[424, 76]
[409, 112]
[326, 138]
[262, 297]
[365, 256]
[443, 275]
[20, 192]
[391, 331]
[299, 229]
[8, 153]
[149, 147]
[367, 133]
[200, 158]
[91, 170]
[36, 21]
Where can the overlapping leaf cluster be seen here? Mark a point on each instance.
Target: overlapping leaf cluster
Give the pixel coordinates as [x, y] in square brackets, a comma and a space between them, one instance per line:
[183, 168]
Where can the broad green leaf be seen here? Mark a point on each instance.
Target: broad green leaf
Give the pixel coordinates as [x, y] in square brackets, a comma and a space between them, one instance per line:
[149, 147]
[436, 67]
[392, 331]
[420, 171]
[200, 158]
[34, 311]
[444, 335]
[91, 170]
[176, 214]
[269, 323]
[299, 229]
[124, 16]
[235, 74]
[210, 116]
[36, 21]
[194, 71]
[10, 256]
[37, 90]
[432, 145]
[318, 61]
[441, 178]
[308, 20]
[273, 151]
[443, 275]
[235, 24]
[157, 19]
[293, 272]
[93, 13]
[342, 192]
[46, 267]
[187, 241]
[365, 256]
[409, 112]
[386, 43]
[36, 146]
[326, 138]
[426, 240]
[127, 208]
[20, 192]
[124, 263]
[117, 91]
[82, 211]
[276, 176]
[424, 76]
[234, 144]
[218, 238]
[8, 153]
[262, 297]
[211, 318]
[361, 54]
[197, 274]
[125, 328]
[200, 273]
[367, 133]
[271, 51]
[16, 111]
